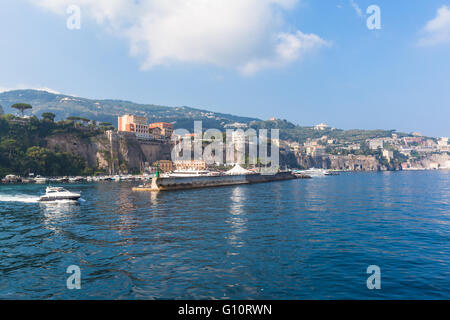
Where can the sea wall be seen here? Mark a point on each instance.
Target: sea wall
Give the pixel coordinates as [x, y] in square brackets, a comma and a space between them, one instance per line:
[177, 183]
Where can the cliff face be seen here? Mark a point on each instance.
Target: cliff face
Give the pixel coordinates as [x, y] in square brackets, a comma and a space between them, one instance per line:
[111, 152]
[90, 149]
[337, 162]
[434, 161]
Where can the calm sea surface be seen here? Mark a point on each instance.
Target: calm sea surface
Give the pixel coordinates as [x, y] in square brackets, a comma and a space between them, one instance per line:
[301, 239]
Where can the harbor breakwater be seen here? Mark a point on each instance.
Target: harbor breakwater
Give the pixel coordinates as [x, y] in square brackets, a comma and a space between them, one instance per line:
[178, 183]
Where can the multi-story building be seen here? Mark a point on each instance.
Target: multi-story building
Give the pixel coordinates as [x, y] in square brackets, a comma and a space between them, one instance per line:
[190, 165]
[443, 142]
[164, 165]
[376, 144]
[236, 125]
[315, 151]
[409, 140]
[443, 145]
[388, 154]
[295, 147]
[156, 133]
[321, 126]
[166, 128]
[136, 124]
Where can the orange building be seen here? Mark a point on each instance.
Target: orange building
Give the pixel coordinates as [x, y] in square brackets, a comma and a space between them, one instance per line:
[156, 133]
[166, 128]
[164, 165]
[190, 165]
[136, 124]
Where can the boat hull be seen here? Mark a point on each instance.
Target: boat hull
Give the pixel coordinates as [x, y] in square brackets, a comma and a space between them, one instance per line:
[61, 198]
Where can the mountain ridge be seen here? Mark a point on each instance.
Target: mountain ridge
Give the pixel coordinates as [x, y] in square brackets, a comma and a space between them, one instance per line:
[107, 110]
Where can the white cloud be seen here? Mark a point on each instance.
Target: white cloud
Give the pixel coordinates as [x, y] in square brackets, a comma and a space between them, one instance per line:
[356, 8]
[290, 47]
[437, 30]
[248, 35]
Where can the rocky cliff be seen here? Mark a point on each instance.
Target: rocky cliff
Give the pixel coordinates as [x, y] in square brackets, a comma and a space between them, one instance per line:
[111, 152]
[337, 162]
[433, 161]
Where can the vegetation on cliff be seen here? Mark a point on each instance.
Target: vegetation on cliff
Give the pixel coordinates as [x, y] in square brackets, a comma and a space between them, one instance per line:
[23, 147]
[64, 106]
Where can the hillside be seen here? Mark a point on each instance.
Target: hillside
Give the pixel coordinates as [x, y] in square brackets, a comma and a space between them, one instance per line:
[64, 106]
[292, 132]
[49, 148]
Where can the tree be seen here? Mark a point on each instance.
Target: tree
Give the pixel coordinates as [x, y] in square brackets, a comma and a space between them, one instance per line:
[48, 116]
[22, 107]
[10, 145]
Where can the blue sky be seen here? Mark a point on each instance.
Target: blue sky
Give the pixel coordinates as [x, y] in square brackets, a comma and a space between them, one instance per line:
[306, 61]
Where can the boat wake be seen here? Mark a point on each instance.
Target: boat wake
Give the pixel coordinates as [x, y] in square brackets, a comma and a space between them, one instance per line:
[19, 198]
[59, 203]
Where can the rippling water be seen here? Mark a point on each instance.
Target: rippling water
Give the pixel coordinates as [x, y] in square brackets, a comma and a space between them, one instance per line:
[301, 239]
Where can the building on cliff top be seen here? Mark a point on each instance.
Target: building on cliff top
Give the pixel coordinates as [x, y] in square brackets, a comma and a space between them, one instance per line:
[375, 144]
[321, 126]
[136, 124]
[166, 128]
[388, 154]
[140, 127]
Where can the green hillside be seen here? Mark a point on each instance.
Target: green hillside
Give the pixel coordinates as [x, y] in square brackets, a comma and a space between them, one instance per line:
[292, 132]
[64, 106]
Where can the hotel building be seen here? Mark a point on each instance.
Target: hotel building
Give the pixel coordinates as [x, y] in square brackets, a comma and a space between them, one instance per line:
[166, 128]
[136, 124]
[164, 165]
[190, 164]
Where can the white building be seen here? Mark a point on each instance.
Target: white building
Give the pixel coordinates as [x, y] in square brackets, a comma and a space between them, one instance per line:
[321, 126]
[236, 125]
[376, 144]
[388, 154]
[442, 142]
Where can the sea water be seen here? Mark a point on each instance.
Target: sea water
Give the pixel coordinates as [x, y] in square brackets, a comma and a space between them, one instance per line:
[299, 239]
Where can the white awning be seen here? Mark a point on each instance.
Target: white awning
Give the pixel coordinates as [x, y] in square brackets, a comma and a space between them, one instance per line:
[237, 170]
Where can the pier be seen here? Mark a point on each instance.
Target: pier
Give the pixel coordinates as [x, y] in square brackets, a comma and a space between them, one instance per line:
[179, 183]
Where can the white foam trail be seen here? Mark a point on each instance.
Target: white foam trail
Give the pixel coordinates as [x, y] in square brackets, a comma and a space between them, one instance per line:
[56, 202]
[19, 198]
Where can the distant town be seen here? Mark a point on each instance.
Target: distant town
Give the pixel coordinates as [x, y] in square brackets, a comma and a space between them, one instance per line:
[77, 146]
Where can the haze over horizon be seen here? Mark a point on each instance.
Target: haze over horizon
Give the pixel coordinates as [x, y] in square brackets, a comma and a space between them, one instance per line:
[303, 61]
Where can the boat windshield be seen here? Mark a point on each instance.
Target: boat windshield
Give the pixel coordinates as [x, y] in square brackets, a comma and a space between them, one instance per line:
[53, 190]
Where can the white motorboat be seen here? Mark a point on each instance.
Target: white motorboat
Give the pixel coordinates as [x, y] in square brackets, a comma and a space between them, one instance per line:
[313, 172]
[40, 180]
[58, 193]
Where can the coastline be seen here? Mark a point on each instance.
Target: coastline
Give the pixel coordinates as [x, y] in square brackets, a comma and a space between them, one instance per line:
[116, 178]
